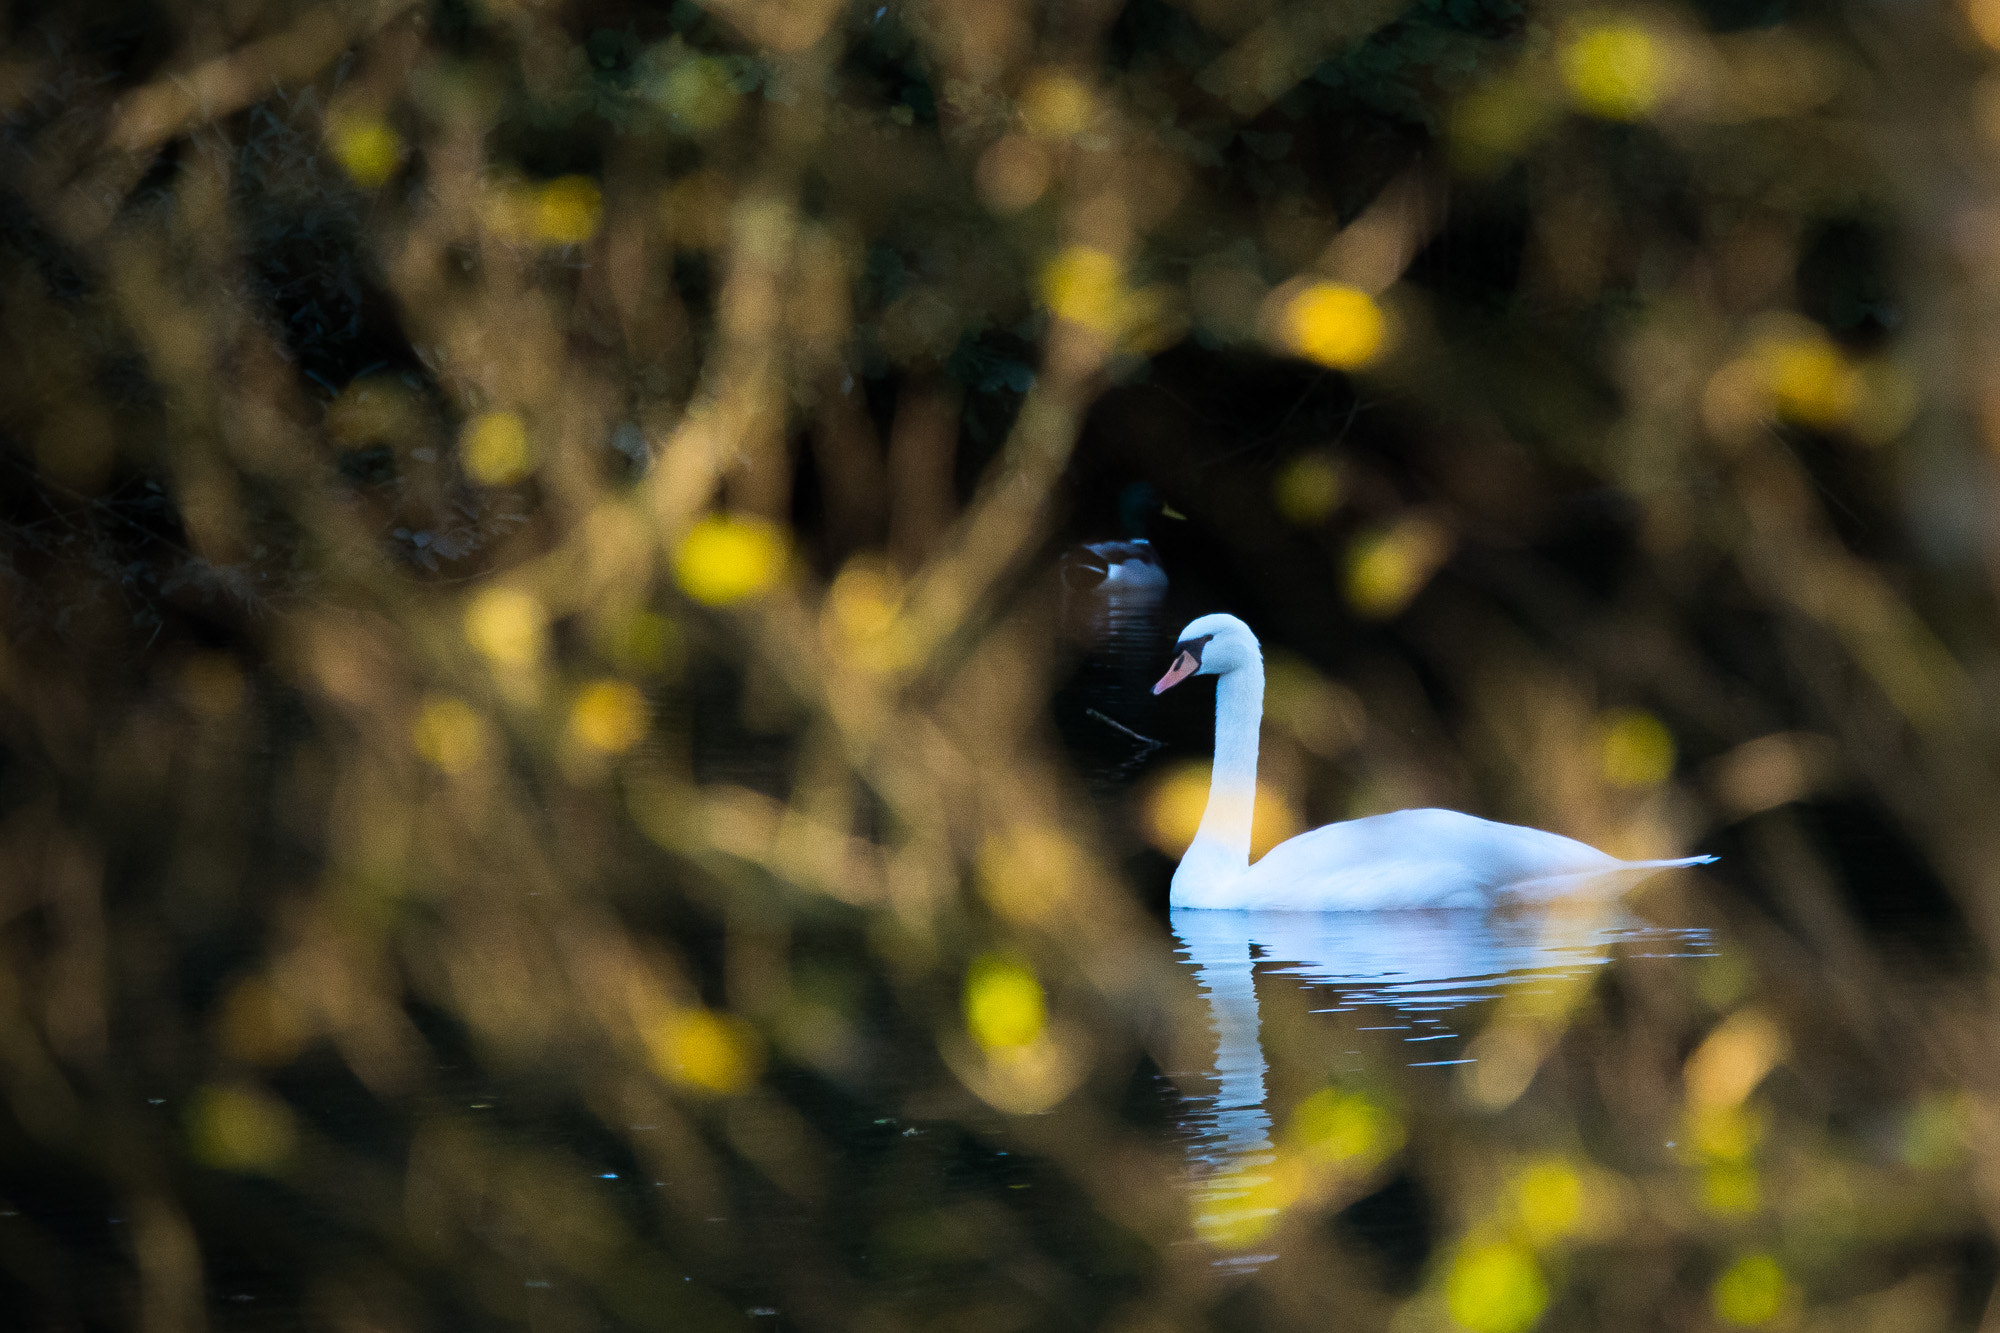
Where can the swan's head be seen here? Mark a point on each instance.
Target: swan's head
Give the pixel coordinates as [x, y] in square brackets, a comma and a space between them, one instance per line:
[1211, 646]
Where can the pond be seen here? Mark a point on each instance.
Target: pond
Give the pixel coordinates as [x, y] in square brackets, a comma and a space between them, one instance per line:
[1427, 981]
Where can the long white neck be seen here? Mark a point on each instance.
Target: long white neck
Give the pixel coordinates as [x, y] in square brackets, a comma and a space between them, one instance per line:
[1221, 846]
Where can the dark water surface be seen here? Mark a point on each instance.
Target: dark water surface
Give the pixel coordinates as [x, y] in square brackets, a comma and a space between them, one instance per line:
[1428, 978]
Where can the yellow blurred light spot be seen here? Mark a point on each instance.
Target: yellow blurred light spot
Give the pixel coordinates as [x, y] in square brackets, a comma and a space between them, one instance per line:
[1238, 1208]
[1730, 1189]
[1174, 805]
[1087, 287]
[610, 715]
[1636, 749]
[1338, 1128]
[450, 734]
[1724, 1133]
[1733, 1059]
[728, 558]
[1004, 1005]
[507, 625]
[1056, 106]
[240, 1128]
[1335, 325]
[706, 1050]
[260, 1025]
[366, 148]
[568, 210]
[1984, 16]
[1613, 70]
[1272, 820]
[494, 448]
[1307, 491]
[698, 95]
[1751, 1292]
[1812, 382]
[1496, 1287]
[1549, 1197]
[1386, 570]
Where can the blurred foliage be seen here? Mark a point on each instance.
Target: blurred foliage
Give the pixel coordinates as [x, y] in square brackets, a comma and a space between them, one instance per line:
[528, 795]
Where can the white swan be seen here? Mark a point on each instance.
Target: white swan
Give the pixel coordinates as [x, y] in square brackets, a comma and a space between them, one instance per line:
[1406, 859]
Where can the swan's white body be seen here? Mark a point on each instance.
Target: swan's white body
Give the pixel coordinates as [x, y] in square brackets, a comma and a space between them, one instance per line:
[1406, 859]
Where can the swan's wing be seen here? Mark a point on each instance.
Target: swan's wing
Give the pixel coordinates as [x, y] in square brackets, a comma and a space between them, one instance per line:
[1417, 858]
[1384, 883]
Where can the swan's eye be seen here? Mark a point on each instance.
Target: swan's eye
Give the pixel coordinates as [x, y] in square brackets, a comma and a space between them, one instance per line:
[1191, 648]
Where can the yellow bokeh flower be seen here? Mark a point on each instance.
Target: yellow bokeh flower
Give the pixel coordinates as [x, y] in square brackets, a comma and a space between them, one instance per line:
[241, 1128]
[1984, 16]
[1056, 106]
[609, 716]
[698, 94]
[729, 558]
[568, 210]
[1725, 1133]
[508, 625]
[1242, 1206]
[1086, 286]
[1176, 801]
[1496, 1287]
[1811, 380]
[1636, 749]
[1338, 1128]
[494, 448]
[450, 734]
[1386, 570]
[1549, 1197]
[1335, 325]
[705, 1050]
[1614, 70]
[1730, 1189]
[1004, 1005]
[367, 149]
[1751, 1292]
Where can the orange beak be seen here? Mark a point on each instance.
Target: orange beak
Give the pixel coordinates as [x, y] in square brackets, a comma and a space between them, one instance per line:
[1183, 667]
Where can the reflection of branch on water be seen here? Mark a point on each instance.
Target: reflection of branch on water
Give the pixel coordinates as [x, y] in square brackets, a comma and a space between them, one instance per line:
[1147, 741]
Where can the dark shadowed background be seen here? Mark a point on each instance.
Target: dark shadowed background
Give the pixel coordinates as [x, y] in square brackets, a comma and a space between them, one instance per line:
[563, 763]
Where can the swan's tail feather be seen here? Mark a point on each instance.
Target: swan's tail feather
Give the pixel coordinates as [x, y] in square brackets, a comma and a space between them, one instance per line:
[1607, 880]
[1668, 864]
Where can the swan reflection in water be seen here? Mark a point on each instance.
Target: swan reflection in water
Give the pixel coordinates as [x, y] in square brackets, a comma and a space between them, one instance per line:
[1420, 969]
